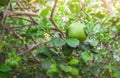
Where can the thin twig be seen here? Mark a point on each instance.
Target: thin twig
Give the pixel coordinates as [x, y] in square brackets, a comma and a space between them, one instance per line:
[11, 28]
[21, 7]
[16, 13]
[19, 17]
[5, 15]
[53, 9]
[31, 48]
[52, 21]
[4, 20]
[20, 38]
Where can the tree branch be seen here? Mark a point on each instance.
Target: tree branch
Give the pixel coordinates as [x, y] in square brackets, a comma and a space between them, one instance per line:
[53, 22]
[21, 7]
[31, 48]
[16, 13]
[3, 22]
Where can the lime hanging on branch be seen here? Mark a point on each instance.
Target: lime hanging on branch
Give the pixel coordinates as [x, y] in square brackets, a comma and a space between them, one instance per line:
[76, 30]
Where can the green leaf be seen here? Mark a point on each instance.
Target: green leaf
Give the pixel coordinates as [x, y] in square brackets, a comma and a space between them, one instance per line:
[73, 6]
[12, 54]
[4, 2]
[45, 50]
[44, 12]
[21, 22]
[53, 69]
[66, 68]
[116, 74]
[99, 15]
[17, 59]
[103, 51]
[33, 30]
[67, 50]
[93, 42]
[118, 26]
[41, 56]
[5, 68]
[85, 46]
[72, 42]
[46, 64]
[96, 29]
[73, 61]
[74, 72]
[57, 42]
[11, 62]
[86, 56]
[108, 67]
[4, 75]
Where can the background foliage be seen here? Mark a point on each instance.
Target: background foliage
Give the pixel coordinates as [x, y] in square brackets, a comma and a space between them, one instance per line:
[34, 44]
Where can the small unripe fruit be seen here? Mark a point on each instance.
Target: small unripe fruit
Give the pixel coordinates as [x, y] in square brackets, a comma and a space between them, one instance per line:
[76, 30]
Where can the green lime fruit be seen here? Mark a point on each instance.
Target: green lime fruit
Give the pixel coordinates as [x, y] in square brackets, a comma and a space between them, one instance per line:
[76, 30]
